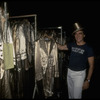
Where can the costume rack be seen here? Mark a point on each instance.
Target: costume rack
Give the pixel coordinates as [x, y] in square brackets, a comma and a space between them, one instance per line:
[35, 37]
[56, 31]
[26, 16]
[16, 82]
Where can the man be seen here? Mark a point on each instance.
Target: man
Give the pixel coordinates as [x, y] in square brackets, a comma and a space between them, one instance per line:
[81, 52]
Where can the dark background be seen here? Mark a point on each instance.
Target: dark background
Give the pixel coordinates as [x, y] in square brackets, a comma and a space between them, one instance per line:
[65, 14]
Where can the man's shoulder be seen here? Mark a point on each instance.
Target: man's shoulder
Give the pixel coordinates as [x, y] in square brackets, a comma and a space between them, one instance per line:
[88, 45]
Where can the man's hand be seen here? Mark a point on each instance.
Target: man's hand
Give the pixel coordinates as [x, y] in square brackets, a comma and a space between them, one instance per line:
[62, 47]
[85, 85]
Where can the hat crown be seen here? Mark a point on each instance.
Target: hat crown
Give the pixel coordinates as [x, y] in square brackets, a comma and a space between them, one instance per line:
[77, 26]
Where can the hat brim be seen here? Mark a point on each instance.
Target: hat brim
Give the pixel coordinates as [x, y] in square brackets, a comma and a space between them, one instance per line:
[77, 30]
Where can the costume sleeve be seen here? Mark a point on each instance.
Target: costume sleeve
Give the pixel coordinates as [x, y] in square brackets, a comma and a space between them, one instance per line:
[38, 70]
[56, 62]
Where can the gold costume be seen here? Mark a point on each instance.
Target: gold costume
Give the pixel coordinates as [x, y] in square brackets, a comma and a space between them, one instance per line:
[46, 64]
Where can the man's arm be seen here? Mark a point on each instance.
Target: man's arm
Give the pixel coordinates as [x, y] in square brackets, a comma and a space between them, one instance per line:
[90, 72]
[62, 47]
[91, 67]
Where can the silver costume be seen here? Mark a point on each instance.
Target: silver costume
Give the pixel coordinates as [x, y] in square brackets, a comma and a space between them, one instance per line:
[46, 64]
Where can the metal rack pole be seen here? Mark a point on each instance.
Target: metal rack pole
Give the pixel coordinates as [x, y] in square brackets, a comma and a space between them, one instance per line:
[22, 16]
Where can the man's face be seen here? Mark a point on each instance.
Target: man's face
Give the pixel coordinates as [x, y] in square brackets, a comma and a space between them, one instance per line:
[79, 36]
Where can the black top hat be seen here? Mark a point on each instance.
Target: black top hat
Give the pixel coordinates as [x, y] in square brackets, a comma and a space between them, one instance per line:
[77, 27]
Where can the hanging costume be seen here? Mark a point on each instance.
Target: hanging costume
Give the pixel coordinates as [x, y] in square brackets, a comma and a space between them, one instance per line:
[46, 64]
[5, 63]
[23, 57]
